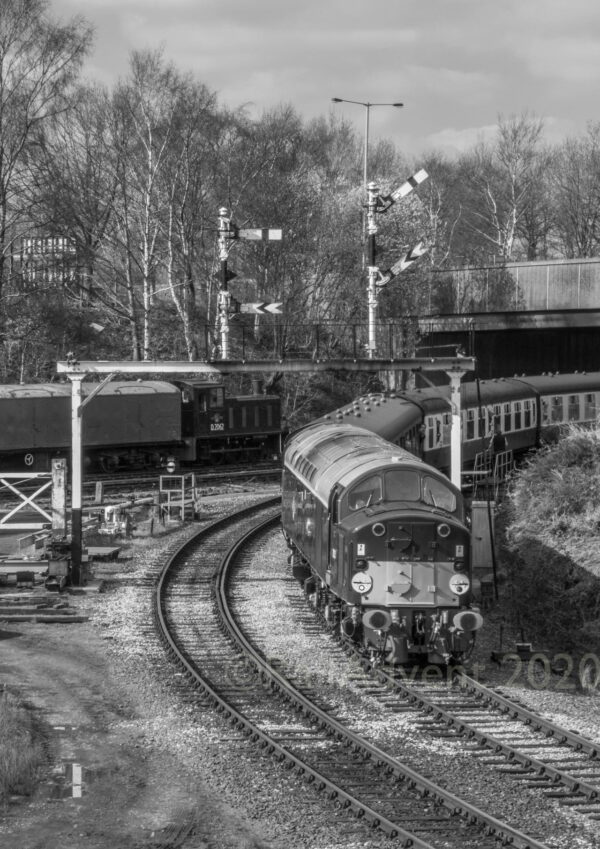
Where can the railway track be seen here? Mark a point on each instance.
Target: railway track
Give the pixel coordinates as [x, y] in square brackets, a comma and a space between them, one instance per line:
[503, 733]
[367, 786]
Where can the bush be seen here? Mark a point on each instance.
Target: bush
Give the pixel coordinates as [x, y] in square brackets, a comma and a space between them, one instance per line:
[551, 539]
[21, 755]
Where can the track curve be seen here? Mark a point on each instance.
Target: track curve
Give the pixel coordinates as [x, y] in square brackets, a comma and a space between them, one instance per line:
[193, 611]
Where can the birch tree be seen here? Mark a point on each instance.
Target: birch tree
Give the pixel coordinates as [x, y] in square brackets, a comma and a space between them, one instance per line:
[39, 60]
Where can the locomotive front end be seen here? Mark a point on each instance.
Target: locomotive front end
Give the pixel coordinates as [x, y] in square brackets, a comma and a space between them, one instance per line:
[380, 542]
[411, 582]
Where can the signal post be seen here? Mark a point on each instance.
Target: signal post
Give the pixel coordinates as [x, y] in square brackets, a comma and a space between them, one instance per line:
[228, 232]
[376, 278]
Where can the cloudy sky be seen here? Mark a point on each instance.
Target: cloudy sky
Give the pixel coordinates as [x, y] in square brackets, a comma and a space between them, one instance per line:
[455, 64]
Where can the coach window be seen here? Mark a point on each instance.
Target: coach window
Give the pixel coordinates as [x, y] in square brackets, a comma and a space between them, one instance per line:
[573, 408]
[471, 424]
[434, 432]
[481, 422]
[446, 428]
[497, 417]
[589, 407]
[527, 413]
[518, 424]
[556, 408]
[506, 410]
[428, 432]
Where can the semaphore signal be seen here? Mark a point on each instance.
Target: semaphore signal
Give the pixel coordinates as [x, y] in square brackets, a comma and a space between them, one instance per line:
[226, 305]
[409, 257]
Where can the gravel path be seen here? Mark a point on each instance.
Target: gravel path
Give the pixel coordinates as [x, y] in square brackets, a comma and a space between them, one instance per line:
[155, 758]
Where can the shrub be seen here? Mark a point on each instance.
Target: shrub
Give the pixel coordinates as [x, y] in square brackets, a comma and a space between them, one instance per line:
[21, 755]
[551, 539]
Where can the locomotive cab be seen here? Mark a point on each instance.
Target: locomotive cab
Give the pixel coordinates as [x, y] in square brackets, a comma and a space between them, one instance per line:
[218, 428]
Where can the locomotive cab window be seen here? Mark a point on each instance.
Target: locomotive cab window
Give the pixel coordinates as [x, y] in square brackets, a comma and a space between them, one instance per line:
[436, 493]
[365, 493]
[402, 485]
[216, 396]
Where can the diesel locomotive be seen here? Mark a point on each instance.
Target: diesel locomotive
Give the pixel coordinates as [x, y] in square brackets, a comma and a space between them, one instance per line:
[138, 424]
[379, 540]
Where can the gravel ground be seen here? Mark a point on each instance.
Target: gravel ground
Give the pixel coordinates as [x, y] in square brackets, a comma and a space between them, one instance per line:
[318, 659]
[151, 759]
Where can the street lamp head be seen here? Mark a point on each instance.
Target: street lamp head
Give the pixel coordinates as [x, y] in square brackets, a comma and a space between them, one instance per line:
[367, 104]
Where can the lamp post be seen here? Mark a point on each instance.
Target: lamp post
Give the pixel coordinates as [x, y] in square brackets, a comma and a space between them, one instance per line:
[371, 193]
[367, 106]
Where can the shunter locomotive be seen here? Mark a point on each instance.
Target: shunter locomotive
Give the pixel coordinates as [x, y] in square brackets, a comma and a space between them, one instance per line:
[379, 540]
[138, 424]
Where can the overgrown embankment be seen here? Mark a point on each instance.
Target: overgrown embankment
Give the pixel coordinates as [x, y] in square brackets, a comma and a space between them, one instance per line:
[21, 750]
[550, 531]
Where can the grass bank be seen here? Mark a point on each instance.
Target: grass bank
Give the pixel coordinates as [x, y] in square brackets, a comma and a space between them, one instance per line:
[549, 527]
[21, 751]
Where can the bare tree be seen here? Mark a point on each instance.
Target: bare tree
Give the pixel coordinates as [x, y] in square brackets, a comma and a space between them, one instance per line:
[39, 60]
[502, 179]
[576, 193]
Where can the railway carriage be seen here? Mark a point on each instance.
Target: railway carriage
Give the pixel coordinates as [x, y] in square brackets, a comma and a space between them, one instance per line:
[138, 424]
[529, 410]
[380, 542]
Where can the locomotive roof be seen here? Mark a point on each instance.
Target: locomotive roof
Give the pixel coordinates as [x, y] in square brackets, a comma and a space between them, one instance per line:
[323, 456]
[60, 390]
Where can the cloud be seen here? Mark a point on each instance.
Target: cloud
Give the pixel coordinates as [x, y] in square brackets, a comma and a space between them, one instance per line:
[570, 60]
[452, 140]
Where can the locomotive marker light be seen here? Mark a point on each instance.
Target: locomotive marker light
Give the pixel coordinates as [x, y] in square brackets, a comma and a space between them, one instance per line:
[362, 583]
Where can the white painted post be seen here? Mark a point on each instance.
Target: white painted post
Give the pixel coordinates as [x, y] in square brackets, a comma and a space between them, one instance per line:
[59, 498]
[455, 440]
[76, 478]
